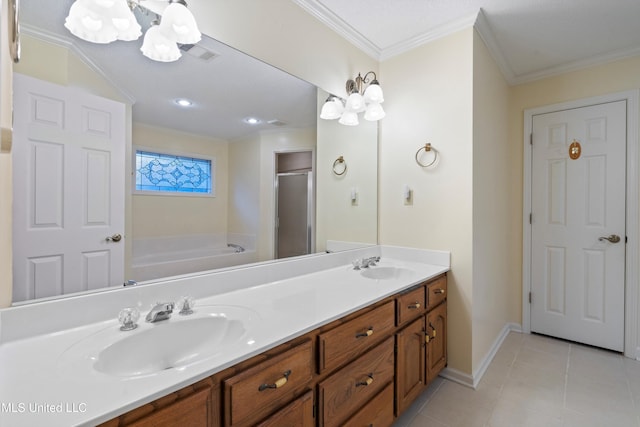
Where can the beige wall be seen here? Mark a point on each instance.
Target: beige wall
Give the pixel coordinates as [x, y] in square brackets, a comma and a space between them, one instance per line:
[282, 34]
[428, 98]
[154, 215]
[251, 178]
[494, 245]
[337, 217]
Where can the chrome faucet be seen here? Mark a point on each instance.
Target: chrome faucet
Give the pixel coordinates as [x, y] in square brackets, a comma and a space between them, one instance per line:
[365, 262]
[238, 248]
[160, 311]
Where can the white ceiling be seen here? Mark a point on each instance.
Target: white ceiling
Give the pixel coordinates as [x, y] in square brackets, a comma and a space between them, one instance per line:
[529, 39]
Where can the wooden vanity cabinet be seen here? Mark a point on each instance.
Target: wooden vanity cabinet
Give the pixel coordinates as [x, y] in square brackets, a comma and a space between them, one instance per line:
[364, 369]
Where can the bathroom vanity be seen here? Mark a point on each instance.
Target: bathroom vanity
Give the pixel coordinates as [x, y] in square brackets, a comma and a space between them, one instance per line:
[308, 342]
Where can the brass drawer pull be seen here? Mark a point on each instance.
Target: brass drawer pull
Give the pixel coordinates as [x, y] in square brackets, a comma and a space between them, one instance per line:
[427, 338]
[433, 329]
[439, 291]
[414, 306]
[279, 383]
[366, 382]
[368, 333]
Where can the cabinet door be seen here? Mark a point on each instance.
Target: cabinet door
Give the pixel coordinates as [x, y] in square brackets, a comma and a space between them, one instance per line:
[437, 348]
[410, 364]
[298, 413]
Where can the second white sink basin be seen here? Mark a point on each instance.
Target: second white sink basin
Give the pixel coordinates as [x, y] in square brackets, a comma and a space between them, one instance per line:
[386, 273]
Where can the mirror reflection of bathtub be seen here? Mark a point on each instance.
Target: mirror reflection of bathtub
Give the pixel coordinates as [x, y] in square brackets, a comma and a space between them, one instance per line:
[158, 257]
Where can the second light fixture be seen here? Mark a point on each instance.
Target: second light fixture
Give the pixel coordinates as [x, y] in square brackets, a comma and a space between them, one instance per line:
[360, 99]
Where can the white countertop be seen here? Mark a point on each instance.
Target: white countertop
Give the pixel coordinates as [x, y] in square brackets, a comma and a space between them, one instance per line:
[39, 386]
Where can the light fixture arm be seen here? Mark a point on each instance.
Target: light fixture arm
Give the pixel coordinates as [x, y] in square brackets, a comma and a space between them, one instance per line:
[357, 84]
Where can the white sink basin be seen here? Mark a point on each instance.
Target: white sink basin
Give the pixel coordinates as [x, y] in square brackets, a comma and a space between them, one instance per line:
[168, 344]
[387, 273]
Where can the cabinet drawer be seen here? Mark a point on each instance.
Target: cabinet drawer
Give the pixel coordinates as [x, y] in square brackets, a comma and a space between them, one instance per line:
[410, 305]
[354, 337]
[436, 292]
[344, 392]
[255, 393]
[377, 413]
[298, 413]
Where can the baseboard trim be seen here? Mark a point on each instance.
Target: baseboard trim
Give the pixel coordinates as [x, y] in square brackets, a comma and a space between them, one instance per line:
[472, 381]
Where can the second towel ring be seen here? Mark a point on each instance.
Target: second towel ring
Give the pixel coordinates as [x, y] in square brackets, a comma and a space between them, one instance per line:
[340, 161]
[427, 147]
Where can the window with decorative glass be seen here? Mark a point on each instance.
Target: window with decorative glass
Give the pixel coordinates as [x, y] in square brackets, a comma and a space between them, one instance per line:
[173, 174]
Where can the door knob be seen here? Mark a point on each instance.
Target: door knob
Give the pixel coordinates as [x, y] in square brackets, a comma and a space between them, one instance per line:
[614, 238]
[114, 238]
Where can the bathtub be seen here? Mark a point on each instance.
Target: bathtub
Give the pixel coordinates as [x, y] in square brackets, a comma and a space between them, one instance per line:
[158, 257]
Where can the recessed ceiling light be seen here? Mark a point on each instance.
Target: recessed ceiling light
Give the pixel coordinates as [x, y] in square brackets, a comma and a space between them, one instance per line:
[183, 102]
[252, 120]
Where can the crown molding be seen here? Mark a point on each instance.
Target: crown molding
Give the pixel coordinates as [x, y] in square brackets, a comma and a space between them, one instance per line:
[64, 42]
[424, 38]
[340, 26]
[486, 34]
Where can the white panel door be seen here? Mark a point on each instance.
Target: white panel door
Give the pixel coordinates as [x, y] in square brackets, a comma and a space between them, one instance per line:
[577, 275]
[68, 186]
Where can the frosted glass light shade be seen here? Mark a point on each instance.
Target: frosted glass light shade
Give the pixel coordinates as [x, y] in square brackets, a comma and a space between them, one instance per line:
[159, 47]
[89, 25]
[349, 118]
[355, 103]
[332, 109]
[374, 112]
[102, 21]
[179, 25]
[373, 94]
[125, 22]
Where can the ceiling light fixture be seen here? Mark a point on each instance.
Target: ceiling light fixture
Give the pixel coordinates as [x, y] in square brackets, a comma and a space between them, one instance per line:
[360, 99]
[105, 21]
[183, 102]
[252, 120]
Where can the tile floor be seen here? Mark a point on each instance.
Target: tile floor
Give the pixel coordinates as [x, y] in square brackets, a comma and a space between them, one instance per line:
[536, 381]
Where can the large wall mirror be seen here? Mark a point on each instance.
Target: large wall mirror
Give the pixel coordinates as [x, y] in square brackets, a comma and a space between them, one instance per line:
[277, 193]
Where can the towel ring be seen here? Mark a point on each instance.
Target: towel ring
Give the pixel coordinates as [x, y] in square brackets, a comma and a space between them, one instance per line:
[340, 160]
[427, 147]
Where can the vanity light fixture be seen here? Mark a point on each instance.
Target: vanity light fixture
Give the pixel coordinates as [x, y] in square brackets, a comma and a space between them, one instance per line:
[105, 21]
[364, 95]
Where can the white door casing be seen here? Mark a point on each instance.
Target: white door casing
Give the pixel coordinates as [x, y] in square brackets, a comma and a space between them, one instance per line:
[68, 184]
[576, 278]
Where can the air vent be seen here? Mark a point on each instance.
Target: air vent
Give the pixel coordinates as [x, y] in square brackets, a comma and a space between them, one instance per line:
[198, 51]
[276, 123]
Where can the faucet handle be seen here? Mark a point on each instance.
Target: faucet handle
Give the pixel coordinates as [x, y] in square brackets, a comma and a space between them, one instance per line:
[186, 304]
[128, 318]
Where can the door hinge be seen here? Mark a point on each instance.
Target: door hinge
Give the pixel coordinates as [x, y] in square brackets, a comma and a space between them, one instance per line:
[531, 138]
[530, 218]
[530, 298]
